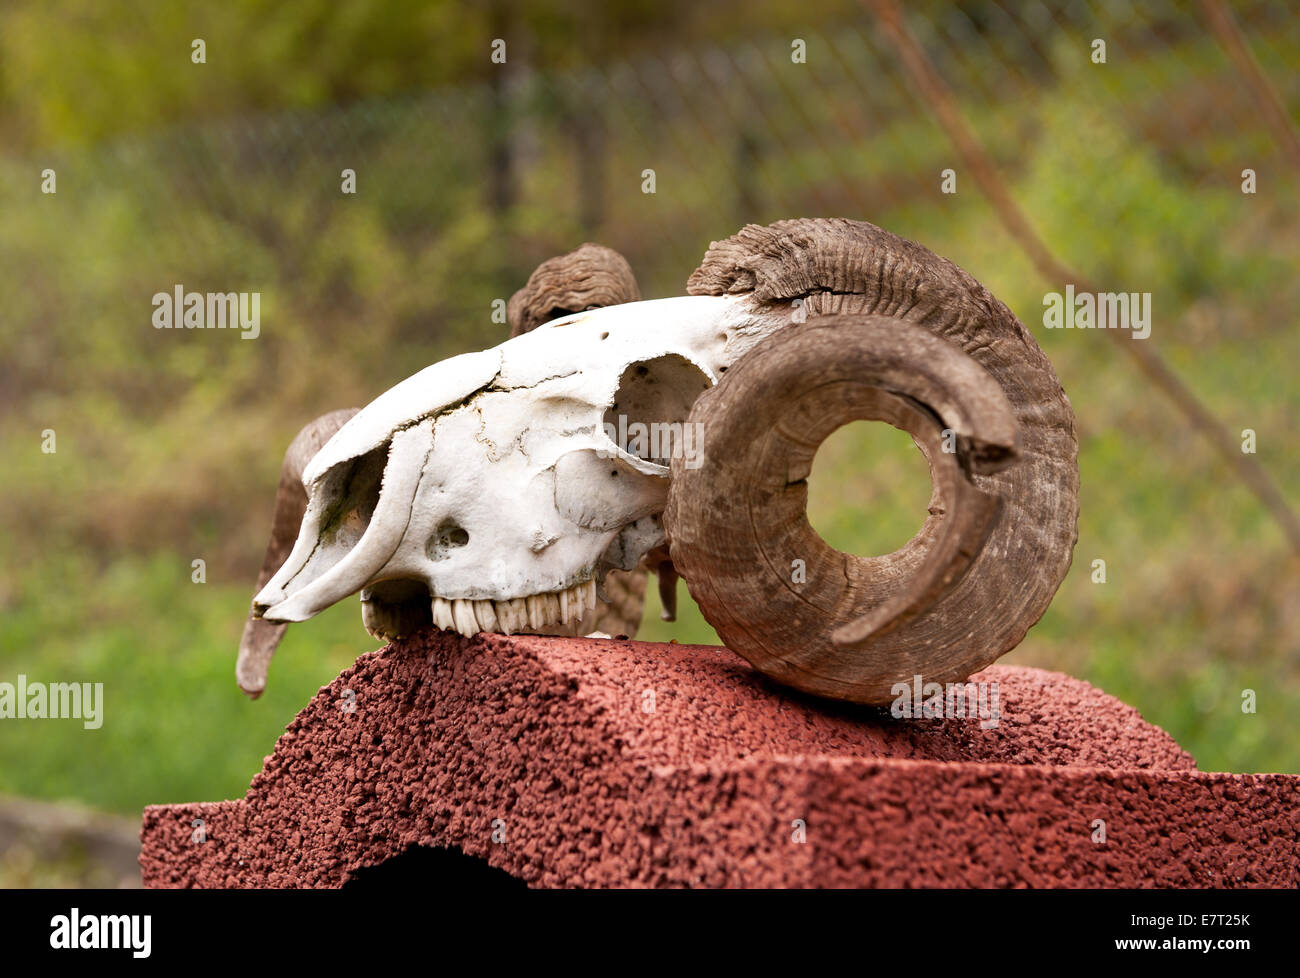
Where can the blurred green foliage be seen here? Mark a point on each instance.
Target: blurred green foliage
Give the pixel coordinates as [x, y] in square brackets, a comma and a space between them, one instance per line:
[226, 177]
[80, 71]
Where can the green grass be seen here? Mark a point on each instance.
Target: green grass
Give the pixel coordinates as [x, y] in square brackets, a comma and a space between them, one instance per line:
[175, 725]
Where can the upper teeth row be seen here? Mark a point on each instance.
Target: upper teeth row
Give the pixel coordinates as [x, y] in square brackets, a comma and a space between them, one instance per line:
[469, 617]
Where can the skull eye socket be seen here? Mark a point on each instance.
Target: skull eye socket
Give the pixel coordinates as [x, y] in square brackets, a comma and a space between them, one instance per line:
[448, 537]
[652, 405]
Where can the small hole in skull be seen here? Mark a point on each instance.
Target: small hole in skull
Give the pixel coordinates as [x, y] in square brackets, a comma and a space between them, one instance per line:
[448, 537]
[604, 336]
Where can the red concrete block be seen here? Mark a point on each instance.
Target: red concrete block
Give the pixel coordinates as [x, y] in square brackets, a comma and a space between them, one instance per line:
[578, 762]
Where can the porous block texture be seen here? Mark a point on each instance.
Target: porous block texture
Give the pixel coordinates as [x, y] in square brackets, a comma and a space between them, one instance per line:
[586, 762]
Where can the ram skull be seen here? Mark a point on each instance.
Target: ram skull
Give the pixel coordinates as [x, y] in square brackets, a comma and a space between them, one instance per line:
[508, 490]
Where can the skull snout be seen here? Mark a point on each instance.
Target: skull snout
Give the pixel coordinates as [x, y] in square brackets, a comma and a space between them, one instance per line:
[355, 520]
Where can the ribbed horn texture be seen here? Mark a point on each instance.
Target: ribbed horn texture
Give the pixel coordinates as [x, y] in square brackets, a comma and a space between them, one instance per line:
[589, 276]
[984, 406]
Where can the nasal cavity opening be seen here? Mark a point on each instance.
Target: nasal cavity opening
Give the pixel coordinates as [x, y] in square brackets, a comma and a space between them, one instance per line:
[869, 491]
[354, 486]
[648, 417]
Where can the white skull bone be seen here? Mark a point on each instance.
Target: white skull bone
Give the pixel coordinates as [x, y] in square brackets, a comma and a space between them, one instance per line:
[492, 478]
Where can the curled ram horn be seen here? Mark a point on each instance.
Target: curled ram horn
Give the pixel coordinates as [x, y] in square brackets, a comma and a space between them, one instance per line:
[589, 277]
[898, 334]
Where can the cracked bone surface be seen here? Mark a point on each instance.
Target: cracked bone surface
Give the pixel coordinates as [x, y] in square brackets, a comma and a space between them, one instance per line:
[506, 484]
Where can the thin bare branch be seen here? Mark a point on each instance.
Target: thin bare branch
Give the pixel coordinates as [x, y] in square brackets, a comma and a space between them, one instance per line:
[1229, 35]
[938, 98]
